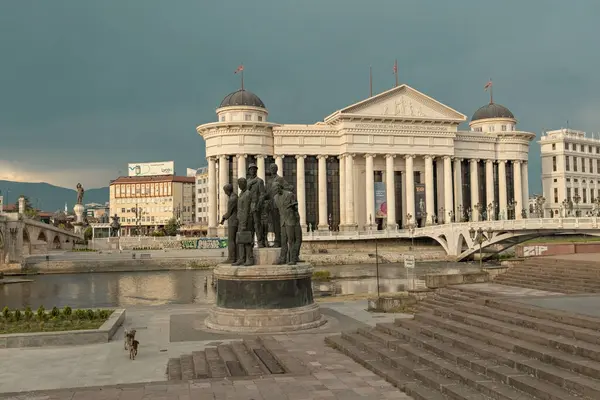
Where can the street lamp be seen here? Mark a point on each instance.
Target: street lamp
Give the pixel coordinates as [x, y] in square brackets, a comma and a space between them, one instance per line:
[577, 199]
[564, 207]
[478, 237]
[411, 229]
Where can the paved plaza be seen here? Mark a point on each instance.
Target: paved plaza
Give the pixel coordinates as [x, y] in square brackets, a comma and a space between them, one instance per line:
[104, 371]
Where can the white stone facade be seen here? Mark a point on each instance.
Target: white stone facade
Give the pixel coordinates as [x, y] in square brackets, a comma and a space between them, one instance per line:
[401, 143]
[570, 172]
[202, 196]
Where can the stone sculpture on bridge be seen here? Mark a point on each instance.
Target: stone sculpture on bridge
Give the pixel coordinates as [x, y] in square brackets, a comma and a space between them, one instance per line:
[115, 226]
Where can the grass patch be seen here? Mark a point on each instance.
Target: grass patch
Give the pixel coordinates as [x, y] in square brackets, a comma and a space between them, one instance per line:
[27, 321]
[321, 275]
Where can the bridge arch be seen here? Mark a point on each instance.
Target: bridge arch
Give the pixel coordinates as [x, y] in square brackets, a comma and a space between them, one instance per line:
[56, 243]
[42, 237]
[26, 242]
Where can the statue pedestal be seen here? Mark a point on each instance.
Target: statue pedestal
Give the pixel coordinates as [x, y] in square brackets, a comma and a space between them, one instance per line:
[264, 298]
[78, 225]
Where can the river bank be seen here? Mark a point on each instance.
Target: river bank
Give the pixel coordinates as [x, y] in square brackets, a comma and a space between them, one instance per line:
[173, 260]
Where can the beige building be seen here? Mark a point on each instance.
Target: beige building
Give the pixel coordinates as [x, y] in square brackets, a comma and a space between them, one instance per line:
[570, 172]
[149, 202]
[394, 160]
[202, 196]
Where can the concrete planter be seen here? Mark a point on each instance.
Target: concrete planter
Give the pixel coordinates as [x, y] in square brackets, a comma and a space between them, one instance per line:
[66, 338]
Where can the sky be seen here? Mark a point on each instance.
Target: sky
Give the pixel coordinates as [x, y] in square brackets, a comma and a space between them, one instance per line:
[88, 86]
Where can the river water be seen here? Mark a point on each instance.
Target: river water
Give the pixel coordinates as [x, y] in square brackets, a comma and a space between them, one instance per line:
[122, 289]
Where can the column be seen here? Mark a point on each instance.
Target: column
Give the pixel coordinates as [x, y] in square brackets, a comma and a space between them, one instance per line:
[223, 180]
[323, 225]
[279, 163]
[212, 197]
[342, 159]
[410, 188]
[260, 165]
[429, 189]
[241, 166]
[301, 191]
[370, 192]
[525, 187]
[489, 187]
[447, 189]
[473, 164]
[350, 218]
[502, 187]
[439, 165]
[390, 192]
[517, 174]
[458, 201]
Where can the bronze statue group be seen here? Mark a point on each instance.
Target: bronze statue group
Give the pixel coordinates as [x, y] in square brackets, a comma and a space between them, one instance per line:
[249, 213]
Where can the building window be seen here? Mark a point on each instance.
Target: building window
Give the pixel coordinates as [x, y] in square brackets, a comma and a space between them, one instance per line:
[491, 128]
[569, 194]
[575, 180]
[222, 118]
[260, 118]
[583, 165]
[568, 179]
[575, 164]
[553, 146]
[554, 163]
[566, 146]
[584, 196]
[503, 128]
[247, 117]
[591, 166]
[597, 150]
[597, 165]
[589, 149]
[479, 129]
[555, 180]
[556, 195]
[567, 163]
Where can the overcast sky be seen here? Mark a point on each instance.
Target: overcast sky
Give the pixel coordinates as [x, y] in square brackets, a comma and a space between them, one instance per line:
[87, 86]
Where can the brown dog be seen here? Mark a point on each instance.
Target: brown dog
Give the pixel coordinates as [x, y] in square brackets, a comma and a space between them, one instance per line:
[129, 338]
[133, 349]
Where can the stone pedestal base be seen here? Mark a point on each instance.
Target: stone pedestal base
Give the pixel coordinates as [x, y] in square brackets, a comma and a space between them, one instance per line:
[78, 229]
[264, 298]
[349, 228]
[211, 231]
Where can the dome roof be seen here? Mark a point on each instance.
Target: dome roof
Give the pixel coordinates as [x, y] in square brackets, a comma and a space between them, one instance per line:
[492, 110]
[242, 98]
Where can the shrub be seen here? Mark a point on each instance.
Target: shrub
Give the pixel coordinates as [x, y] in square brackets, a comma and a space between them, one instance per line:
[80, 314]
[18, 315]
[67, 311]
[321, 275]
[41, 313]
[91, 314]
[55, 312]
[102, 314]
[28, 313]
[6, 313]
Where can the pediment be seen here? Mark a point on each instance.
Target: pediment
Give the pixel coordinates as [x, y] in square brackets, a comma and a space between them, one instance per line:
[404, 101]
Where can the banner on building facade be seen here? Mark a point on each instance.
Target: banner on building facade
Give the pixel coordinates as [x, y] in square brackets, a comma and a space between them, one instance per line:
[380, 200]
[420, 200]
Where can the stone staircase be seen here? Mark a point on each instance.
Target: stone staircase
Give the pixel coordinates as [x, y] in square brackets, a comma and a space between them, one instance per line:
[256, 356]
[554, 275]
[462, 346]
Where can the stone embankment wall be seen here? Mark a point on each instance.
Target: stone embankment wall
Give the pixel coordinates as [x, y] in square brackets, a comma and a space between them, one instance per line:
[555, 249]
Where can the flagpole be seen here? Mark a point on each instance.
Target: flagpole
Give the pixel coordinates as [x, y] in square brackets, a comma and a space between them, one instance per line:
[242, 64]
[396, 71]
[491, 92]
[370, 81]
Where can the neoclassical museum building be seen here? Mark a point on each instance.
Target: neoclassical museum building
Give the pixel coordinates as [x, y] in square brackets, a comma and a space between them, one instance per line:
[394, 160]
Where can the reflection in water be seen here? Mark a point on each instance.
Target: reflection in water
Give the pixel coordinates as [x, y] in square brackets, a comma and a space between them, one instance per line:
[122, 289]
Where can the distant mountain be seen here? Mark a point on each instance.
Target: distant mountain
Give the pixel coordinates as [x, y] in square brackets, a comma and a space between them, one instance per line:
[48, 197]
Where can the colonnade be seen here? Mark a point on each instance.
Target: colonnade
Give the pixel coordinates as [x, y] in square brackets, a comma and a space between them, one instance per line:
[452, 186]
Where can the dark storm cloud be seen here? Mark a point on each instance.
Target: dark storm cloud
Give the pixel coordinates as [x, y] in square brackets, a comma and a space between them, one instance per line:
[104, 83]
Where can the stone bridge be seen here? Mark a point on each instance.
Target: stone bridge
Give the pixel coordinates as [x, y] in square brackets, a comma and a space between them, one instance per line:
[456, 238]
[20, 237]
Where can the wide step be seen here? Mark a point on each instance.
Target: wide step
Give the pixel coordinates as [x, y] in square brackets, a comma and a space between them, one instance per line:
[249, 357]
[465, 345]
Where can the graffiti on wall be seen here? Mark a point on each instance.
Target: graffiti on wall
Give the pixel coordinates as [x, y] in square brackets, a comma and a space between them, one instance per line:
[532, 251]
[204, 243]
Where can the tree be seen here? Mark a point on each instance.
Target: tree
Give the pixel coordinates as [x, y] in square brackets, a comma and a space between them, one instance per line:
[172, 227]
[30, 212]
[87, 234]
